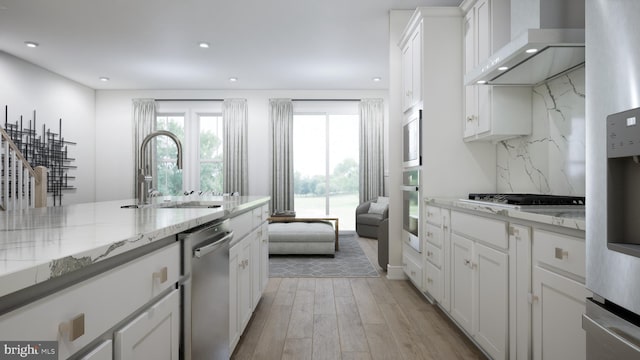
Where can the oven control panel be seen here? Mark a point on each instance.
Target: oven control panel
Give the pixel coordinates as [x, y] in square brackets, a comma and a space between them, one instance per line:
[623, 134]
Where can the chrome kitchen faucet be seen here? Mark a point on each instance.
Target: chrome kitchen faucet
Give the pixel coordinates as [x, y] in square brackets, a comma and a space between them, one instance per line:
[143, 179]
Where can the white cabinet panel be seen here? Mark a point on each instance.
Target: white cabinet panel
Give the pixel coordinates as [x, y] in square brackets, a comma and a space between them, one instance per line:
[492, 271]
[104, 351]
[462, 308]
[563, 252]
[155, 334]
[558, 305]
[490, 231]
[412, 265]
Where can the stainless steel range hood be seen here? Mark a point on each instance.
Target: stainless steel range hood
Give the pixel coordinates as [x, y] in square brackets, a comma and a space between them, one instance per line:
[547, 39]
[556, 52]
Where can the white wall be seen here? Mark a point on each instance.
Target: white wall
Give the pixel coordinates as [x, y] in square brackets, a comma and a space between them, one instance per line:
[25, 87]
[114, 132]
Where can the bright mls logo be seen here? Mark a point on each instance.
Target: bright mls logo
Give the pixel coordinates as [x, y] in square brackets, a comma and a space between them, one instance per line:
[41, 350]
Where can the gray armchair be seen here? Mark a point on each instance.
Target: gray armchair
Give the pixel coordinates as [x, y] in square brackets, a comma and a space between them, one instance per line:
[367, 222]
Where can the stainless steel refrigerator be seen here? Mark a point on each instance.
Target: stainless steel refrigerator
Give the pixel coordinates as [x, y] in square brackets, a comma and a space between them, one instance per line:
[612, 319]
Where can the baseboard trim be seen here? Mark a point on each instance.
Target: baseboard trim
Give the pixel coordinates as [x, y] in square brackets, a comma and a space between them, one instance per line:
[395, 273]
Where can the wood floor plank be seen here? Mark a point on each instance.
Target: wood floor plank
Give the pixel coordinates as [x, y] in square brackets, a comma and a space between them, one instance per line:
[297, 349]
[286, 291]
[381, 343]
[350, 329]
[326, 344]
[409, 341]
[301, 322]
[271, 342]
[342, 287]
[324, 296]
[381, 291]
[350, 355]
[367, 306]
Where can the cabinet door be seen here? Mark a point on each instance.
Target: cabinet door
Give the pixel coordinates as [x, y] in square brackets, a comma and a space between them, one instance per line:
[264, 257]
[492, 285]
[155, 334]
[416, 65]
[104, 351]
[446, 263]
[483, 30]
[407, 76]
[234, 269]
[558, 305]
[254, 267]
[245, 300]
[471, 94]
[462, 284]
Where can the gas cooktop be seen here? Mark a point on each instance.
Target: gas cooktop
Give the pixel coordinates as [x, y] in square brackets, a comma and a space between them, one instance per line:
[527, 199]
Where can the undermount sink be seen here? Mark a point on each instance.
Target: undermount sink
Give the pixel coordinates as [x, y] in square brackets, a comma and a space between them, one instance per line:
[194, 204]
[198, 204]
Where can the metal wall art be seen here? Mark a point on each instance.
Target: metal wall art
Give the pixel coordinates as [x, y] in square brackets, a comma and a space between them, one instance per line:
[49, 149]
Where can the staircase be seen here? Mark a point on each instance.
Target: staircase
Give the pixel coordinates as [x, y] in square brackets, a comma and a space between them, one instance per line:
[21, 186]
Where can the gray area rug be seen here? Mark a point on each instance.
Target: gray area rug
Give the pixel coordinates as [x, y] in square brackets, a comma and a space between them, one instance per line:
[350, 261]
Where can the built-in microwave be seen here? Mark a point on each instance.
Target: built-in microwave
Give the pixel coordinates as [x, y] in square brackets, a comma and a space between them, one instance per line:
[412, 139]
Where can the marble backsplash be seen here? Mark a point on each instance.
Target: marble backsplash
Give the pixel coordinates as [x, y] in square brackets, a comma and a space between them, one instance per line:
[552, 159]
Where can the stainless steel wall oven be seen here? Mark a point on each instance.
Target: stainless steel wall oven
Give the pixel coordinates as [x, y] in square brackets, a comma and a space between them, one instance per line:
[411, 208]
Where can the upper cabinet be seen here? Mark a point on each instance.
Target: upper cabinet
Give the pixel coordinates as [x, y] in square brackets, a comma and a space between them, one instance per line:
[412, 68]
[491, 113]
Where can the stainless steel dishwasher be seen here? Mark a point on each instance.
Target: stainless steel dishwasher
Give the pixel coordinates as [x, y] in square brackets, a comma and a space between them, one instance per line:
[205, 291]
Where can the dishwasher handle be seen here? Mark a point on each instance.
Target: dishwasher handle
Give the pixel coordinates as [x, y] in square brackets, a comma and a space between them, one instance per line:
[204, 250]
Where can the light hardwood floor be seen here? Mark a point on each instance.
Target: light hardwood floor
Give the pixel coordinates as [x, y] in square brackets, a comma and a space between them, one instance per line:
[350, 318]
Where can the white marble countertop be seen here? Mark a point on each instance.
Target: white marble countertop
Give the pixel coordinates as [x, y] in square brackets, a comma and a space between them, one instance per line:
[572, 217]
[40, 244]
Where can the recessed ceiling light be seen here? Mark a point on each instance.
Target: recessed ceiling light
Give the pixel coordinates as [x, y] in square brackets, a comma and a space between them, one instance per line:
[531, 51]
[204, 45]
[233, 79]
[104, 79]
[481, 82]
[503, 68]
[31, 44]
[376, 79]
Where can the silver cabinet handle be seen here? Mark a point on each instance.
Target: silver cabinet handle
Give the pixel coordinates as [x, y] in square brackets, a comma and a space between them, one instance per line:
[161, 275]
[561, 254]
[532, 298]
[74, 327]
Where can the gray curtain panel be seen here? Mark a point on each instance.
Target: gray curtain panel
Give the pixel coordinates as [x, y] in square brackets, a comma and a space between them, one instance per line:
[371, 149]
[281, 120]
[144, 123]
[235, 168]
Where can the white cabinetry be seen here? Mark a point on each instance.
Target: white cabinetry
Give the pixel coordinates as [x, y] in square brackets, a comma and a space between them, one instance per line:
[492, 113]
[154, 334]
[412, 265]
[412, 68]
[80, 314]
[104, 351]
[248, 268]
[437, 255]
[558, 296]
[480, 280]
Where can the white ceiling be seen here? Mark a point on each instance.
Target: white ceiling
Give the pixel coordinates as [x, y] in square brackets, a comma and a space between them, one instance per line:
[153, 44]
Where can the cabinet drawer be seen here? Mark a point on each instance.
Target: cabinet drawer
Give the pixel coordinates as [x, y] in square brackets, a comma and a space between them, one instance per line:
[242, 224]
[412, 265]
[96, 304]
[433, 234]
[434, 255]
[433, 281]
[433, 215]
[560, 251]
[488, 230]
[260, 215]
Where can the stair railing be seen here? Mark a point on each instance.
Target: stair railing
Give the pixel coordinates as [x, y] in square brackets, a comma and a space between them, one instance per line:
[21, 185]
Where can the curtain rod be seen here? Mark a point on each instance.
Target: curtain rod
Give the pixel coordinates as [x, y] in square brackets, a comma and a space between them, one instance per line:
[325, 99]
[188, 99]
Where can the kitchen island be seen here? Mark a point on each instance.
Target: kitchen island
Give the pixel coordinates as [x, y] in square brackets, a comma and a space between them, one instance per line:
[58, 255]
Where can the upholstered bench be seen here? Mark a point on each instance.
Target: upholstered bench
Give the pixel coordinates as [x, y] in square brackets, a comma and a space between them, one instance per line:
[304, 238]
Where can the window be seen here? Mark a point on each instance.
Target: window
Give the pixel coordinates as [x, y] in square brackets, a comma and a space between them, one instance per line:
[199, 128]
[325, 160]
